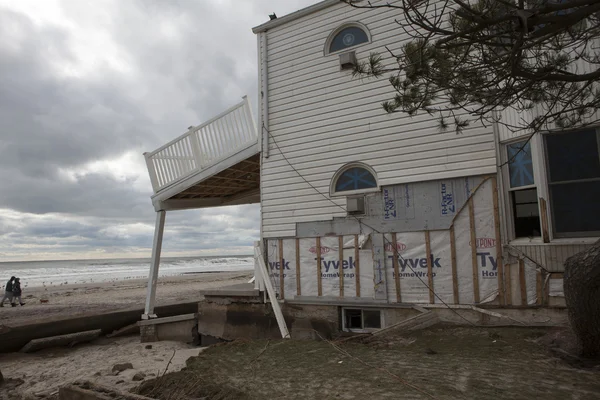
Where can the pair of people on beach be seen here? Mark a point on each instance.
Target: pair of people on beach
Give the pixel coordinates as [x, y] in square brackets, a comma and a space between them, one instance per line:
[13, 292]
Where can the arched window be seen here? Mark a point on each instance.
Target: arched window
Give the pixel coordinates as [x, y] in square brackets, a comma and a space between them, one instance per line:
[348, 35]
[352, 178]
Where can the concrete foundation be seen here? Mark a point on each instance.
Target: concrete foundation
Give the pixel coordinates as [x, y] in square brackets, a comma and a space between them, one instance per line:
[179, 328]
[231, 318]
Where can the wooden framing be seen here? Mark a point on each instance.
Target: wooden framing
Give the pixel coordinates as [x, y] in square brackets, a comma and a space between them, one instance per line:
[298, 284]
[340, 268]
[281, 275]
[522, 282]
[454, 268]
[244, 175]
[357, 269]
[474, 251]
[396, 268]
[319, 277]
[429, 267]
[499, 261]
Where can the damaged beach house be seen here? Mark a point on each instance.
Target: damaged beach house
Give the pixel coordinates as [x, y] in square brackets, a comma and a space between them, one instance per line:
[368, 218]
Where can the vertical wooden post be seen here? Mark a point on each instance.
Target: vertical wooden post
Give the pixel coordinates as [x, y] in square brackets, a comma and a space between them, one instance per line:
[379, 274]
[499, 261]
[281, 277]
[508, 285]
[429, 267]
[298, 284]
[474, 252]
[319, 283]
[340, 268]
[154, 265]
[357, 263]
[522, 282]
[454, 269]
[396, 268]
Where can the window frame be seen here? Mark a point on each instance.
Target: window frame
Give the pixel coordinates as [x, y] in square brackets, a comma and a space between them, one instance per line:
[546, 165]
[507, 195]
[336, 31]
[362, 310]
[350, 193]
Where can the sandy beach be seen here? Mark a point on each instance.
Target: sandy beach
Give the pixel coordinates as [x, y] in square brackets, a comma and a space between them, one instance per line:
[40, 374]
[66, 301]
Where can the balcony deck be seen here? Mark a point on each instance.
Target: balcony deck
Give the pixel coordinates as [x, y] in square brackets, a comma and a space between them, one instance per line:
[214, 164]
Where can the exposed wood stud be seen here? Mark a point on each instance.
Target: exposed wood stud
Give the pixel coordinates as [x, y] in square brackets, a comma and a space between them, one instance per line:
[281, 276]
[499, 261]
[508, 286]
[298, 282]
[319, 283]
[454, 269]
[473, 245]
[429, 267]
[522, 282]
[396, 267]
[340, 269]
[357, 265]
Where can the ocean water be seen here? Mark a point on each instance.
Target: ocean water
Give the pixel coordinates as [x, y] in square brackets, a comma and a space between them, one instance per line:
[54, 273]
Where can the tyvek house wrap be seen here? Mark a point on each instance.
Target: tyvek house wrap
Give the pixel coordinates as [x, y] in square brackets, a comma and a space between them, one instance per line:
[330, 267]
[413, 261]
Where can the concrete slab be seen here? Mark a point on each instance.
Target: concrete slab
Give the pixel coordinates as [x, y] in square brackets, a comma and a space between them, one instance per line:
[167, 320]
[14, 338]
[62, 340]
[239, 290]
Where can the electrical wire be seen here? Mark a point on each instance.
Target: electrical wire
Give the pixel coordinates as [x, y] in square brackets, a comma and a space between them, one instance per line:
[360, 225]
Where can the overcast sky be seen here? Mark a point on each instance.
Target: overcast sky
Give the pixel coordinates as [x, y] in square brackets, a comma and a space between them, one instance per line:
[86, 86]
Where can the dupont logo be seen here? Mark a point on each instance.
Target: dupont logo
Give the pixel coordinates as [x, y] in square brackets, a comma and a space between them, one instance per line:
[484, 243]
[324, 250]
[398, 247]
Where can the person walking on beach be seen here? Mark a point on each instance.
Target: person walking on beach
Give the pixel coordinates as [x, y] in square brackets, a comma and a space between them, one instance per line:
[17, 292]
[8, 291]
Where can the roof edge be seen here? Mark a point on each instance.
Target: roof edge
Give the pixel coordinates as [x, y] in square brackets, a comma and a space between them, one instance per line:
[295, 15]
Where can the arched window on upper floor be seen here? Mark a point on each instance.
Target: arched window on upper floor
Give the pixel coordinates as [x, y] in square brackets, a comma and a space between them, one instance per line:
[354, 178]
[347, 36]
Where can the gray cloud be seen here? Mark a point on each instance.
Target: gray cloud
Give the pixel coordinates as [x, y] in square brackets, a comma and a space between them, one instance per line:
[171, 64]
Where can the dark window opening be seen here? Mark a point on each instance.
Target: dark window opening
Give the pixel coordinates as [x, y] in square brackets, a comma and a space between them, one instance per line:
[355, 319]
[526, 215]
[573, 165]
[348, 37]
[372, 319]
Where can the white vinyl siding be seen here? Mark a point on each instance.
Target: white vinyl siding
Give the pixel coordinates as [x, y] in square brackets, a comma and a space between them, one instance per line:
[322, 118]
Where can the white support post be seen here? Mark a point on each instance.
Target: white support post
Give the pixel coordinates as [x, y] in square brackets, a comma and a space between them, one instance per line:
[154, 265]
[258, 256]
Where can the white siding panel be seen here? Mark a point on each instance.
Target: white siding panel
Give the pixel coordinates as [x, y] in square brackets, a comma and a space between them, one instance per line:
[322, 118]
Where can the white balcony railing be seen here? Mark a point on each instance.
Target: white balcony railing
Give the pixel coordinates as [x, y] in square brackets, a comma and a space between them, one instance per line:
[202, 146]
